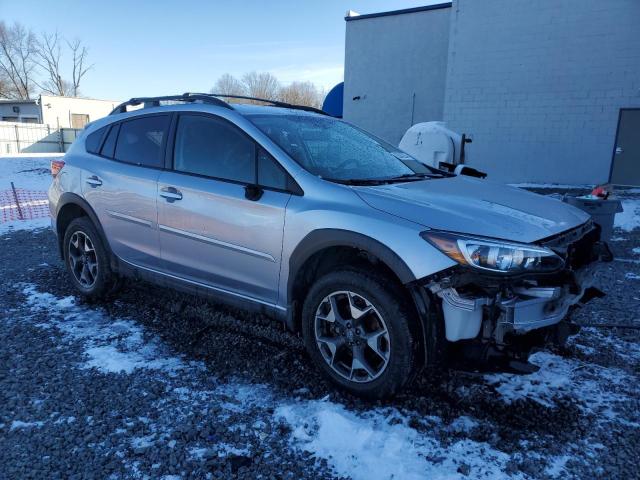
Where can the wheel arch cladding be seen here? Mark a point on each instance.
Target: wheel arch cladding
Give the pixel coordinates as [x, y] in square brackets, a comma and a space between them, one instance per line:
[70, 207]
[324, 240]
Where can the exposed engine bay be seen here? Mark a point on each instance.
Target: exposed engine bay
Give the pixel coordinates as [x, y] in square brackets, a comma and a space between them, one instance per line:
[489, 318]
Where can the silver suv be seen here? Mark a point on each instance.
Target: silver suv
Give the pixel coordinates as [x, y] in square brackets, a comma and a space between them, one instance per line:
[384, 265]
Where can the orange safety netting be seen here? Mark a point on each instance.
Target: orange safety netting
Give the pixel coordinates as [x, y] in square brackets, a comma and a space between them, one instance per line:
[30, 204]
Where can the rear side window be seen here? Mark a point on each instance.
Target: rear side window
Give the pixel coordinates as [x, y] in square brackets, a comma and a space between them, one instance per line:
[94, 140]
[140, 141]
[214, 148]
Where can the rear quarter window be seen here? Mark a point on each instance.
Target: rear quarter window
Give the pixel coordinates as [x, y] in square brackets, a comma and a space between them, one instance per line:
[94, 140]
[109, 146]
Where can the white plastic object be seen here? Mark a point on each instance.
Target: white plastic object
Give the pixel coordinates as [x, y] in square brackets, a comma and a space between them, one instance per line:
[462, 316]
[432, 143]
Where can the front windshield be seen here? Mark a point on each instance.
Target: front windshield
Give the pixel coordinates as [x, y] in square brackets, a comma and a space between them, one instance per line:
[336, 150]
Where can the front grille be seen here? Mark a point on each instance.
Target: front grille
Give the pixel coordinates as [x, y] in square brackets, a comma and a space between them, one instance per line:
[576, 246]
[581, 252]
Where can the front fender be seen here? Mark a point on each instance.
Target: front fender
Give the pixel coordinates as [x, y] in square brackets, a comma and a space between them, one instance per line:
[318, 240]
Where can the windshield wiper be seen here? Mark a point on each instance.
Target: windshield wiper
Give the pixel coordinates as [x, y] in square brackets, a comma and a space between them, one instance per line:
[410, 177]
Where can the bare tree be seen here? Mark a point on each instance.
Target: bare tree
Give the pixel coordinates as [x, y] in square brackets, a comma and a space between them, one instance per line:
[5, 86]
[79, 67]
[265, 85]
[227, 84]
[301, 93]
[48, 54]
[17, 59]
[261, 85]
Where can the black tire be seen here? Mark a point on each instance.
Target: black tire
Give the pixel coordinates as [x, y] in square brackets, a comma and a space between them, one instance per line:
[105, 281]
[391, 304]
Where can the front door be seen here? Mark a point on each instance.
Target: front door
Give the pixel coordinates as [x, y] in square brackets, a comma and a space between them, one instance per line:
[121, 185]
[210, 232]
[626, 158]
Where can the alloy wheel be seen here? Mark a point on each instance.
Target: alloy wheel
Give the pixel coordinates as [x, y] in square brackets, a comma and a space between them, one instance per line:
[83, 259]
[352, 336]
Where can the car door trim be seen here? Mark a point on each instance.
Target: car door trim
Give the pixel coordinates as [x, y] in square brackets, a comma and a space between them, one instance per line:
[219, 243]
[209, 287]
[129, 218]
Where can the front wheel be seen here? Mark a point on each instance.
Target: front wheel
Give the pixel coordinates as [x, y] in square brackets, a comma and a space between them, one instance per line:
[357, 330]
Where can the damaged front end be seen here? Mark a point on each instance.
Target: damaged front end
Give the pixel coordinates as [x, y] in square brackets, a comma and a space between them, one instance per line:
[494, 321]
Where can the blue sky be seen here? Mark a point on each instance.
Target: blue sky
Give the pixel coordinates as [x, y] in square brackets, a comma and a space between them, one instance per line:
[160, 47]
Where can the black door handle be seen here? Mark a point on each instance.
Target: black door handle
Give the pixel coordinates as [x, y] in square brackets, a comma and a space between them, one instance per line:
[171, 194]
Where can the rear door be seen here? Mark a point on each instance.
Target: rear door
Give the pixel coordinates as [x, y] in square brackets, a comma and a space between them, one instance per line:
[626, 158]
[121, 185]
[216, 226]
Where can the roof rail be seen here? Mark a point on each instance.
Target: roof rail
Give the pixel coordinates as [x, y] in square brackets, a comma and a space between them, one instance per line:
[185, 97]
[275, 103]
[212, 98]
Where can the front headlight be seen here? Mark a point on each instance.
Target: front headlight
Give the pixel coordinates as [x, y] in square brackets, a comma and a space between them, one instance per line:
[494, 255]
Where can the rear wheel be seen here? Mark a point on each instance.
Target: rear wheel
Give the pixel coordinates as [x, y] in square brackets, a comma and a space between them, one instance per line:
[87, 260]
[357, 330]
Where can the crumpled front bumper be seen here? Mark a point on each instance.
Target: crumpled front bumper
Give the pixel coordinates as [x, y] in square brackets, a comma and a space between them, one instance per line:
[538, 307]
[494, 311]
[525, 309]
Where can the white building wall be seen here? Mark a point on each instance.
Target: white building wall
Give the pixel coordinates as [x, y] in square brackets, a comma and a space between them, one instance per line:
[539, 84]
[389, 60]
[26, 110]
[56, 111]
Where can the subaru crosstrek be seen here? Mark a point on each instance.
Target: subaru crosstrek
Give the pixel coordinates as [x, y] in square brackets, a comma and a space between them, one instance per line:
[383, 264]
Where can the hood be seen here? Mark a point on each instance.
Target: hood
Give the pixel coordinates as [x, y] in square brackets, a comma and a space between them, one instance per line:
[476, 207]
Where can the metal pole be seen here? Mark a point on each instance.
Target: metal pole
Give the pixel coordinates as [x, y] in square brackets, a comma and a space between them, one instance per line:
[413, 107]
[15, 195]
[17, 138]
[60, 139]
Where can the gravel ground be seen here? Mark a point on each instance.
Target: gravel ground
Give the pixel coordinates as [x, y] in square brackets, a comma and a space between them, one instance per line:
[135, 389]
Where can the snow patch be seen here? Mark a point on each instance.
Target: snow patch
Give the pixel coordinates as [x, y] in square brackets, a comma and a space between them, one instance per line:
[241, 396]
[30, 172]
[597, 390]
[382, 445]
[20, 425]
[557, 466]
[111, 346]
[629, 218]
[143, 442]
[464, 424]
[26, 171]
[225, 450]
[32, 224]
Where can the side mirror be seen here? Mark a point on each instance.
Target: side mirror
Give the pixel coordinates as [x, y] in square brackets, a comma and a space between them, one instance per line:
[253, 192]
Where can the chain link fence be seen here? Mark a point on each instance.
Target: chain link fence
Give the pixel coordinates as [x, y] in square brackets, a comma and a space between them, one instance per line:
[35, 138]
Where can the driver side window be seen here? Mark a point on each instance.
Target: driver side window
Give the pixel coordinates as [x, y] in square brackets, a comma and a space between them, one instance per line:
[214, 148]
